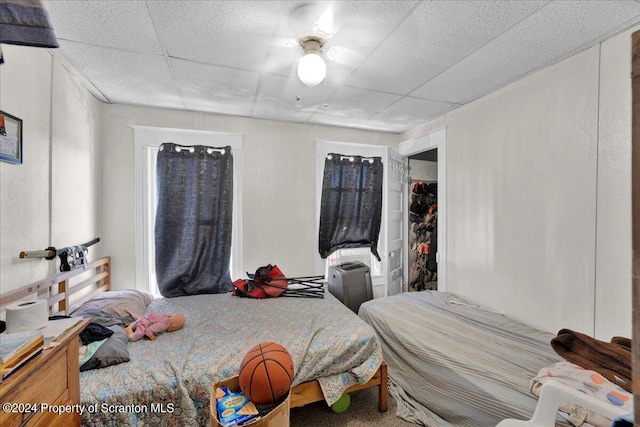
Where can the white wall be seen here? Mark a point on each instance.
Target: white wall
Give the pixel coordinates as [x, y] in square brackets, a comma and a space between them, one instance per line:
[278, 196]
[53, 198]
[613, 239]
[539, 220]
[58, 197]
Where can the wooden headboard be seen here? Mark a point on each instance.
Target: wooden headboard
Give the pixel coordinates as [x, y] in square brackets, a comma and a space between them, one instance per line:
[58, 288]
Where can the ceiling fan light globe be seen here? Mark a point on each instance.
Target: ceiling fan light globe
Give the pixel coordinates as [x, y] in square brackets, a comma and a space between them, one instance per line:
[312, 69]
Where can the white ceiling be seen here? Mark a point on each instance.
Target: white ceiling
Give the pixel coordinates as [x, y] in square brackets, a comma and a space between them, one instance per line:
[399, 63]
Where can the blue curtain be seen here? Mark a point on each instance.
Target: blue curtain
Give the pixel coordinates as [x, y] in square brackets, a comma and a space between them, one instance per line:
[193, 220]
[351, 203]
[25, 23]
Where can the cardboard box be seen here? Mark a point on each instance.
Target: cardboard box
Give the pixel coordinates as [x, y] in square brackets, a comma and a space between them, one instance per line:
[278, 417]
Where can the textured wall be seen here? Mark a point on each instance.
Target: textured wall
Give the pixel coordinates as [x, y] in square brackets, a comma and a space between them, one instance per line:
[521, 171]
[76, 166]
[278, 176]
[25, 92]
[539, 195]
[613, 240]
[53, 197]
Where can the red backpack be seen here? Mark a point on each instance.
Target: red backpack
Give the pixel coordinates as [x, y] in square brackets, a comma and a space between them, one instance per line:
[267, 282]
[270, 282]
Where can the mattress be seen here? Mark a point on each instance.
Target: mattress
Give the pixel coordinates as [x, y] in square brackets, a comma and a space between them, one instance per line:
[168, 380]
[451, 363]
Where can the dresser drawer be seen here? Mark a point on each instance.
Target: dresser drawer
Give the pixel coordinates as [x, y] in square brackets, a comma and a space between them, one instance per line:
[52, 419]
[48, 383]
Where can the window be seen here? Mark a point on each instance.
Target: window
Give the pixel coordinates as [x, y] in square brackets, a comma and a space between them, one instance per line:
[364, 255]
[147, 141]
[351, 203]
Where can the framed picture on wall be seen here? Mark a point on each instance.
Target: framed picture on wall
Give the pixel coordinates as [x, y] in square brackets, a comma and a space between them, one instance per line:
[10, 138]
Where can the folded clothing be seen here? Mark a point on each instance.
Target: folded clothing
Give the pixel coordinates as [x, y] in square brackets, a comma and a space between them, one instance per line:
[112, 352]
[589, 382]
[94, 332]
[612, 360]
[87, 351]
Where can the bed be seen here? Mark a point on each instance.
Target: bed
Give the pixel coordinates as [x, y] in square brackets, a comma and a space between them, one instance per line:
[451, 363]
[167, 381]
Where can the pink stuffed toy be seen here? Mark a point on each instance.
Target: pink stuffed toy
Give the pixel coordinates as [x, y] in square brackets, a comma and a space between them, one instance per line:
[154, 323]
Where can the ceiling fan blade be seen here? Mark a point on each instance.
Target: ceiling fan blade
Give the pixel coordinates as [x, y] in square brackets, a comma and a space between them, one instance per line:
[311, 18]
[282, 56]
[325, 26]
[344, 56]
[284, 42]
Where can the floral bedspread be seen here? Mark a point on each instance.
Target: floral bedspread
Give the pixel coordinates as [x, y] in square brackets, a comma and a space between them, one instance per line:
[168, 380]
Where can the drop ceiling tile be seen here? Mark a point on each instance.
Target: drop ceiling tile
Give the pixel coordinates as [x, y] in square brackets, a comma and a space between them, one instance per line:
[386, 123]
[408, 113]
[320, 118]
[277, 99]
[384, 47]
[352, 106]
[125, 77]
[282, 60]
[215, 89]
[77, 73]
[434, 37]
[118, 24]
[422, 108]
[233, 34]
[557, 31]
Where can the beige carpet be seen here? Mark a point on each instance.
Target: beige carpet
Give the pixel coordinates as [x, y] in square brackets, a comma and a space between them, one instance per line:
[362, 412]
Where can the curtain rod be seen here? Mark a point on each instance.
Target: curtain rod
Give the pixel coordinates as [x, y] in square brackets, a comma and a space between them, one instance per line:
[352, 158]
[191, 149]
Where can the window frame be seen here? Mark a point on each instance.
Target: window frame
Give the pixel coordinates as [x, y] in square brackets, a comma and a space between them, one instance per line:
[147, 140]
[377, 268]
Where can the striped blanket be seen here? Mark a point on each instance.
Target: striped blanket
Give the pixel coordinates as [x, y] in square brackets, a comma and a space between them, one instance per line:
[455, 364]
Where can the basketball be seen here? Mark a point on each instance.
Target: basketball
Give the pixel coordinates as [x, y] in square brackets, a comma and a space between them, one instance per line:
[266, 373]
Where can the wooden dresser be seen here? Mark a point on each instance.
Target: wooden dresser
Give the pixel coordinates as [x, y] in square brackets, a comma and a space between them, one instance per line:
[52, 378]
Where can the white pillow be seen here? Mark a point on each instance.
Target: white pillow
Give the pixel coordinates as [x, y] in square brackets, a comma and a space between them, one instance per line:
[127, 303]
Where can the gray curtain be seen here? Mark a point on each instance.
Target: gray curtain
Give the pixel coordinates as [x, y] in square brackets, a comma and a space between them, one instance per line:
[351, 203]
[193, 220]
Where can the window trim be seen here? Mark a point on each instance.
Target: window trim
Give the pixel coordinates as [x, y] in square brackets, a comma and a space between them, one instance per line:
[146, 137]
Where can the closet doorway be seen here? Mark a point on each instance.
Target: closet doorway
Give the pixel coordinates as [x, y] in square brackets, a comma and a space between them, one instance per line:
[423, 221]
[427, 156]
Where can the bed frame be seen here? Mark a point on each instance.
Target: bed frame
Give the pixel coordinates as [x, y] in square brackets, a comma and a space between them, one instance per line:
[63, 297]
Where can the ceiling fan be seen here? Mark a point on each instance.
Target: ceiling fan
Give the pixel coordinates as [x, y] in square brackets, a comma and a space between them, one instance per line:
[312, 25]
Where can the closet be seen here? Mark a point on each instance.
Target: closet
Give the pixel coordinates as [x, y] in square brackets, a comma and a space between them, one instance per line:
[423, 220]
